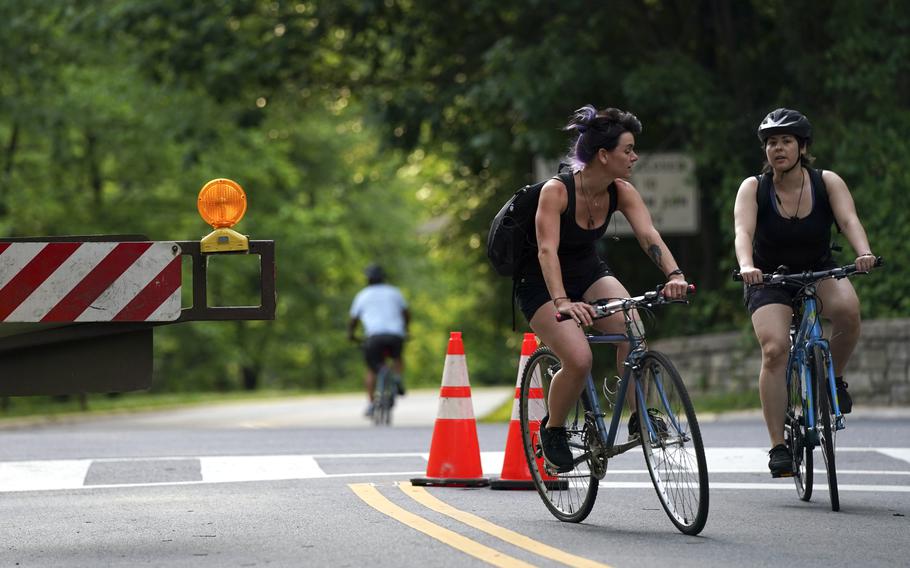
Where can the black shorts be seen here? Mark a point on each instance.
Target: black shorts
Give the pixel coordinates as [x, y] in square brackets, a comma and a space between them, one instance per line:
[532, 292]
[377, 348]
[757, 296]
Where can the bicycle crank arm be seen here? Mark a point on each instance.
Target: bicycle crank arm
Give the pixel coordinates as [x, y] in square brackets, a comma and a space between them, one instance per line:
[622, 448]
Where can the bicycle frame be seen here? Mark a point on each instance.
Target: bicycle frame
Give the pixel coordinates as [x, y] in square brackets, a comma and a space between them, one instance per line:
[631, 364]
[808, 336]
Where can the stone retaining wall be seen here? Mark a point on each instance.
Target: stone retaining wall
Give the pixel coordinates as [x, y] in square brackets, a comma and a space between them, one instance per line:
[878, 373]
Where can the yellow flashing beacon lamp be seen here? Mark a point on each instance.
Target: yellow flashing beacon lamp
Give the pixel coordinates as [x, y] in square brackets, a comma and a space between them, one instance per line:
[222, 204]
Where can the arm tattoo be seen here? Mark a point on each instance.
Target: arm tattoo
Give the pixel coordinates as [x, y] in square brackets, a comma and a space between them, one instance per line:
[655, 254]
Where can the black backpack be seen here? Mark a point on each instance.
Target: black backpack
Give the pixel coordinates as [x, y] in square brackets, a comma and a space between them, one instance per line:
[512, 234]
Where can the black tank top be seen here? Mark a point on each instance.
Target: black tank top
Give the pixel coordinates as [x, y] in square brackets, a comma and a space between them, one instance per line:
[577, 253]
[802, 244]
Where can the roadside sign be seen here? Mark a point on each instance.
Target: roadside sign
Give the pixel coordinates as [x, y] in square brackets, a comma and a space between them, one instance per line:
[666, 182]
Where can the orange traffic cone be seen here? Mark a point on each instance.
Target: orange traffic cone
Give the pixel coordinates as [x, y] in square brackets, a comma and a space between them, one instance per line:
[515, 472]
[454, 451]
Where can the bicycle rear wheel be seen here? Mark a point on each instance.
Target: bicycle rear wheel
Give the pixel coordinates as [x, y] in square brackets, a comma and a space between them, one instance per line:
[825, 420]
[569, 496]
[384, 398]
[795, 434]
[672, 444]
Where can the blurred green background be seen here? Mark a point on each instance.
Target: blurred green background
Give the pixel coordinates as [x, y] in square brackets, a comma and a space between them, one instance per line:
[391, 131]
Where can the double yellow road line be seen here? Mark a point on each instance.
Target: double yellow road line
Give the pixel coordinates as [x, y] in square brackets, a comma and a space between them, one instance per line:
[371, 495]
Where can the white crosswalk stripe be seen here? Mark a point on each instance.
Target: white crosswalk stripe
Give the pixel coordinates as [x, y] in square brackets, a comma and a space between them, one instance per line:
[50, 475]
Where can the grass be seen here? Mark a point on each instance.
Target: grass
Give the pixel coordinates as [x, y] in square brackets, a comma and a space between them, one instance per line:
[18, 407]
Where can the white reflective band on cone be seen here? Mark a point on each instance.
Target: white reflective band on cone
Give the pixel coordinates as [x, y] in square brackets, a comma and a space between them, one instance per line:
[455, 409]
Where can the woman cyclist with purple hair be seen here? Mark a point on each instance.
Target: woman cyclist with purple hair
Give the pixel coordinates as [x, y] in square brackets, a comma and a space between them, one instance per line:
[573, 212]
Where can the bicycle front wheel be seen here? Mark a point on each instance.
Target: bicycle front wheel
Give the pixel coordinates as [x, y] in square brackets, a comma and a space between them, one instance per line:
[672, 444]
[825, 421]
[795, 434]
[569, 496]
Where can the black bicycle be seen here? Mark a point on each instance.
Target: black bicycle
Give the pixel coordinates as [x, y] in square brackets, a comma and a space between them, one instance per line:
[388, 386]
[813, 413]
[667, 430]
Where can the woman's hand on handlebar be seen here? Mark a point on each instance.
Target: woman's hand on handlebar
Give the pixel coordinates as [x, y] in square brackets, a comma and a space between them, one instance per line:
[866, 262]
[675, 288]
[582, 312]
[751, 275]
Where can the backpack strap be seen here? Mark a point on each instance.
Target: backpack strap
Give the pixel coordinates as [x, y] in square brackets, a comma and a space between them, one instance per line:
[818, 182]
[568, 179]
[763, 193]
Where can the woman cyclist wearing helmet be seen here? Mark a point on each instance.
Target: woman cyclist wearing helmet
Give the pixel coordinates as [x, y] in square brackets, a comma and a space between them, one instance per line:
[784, 217]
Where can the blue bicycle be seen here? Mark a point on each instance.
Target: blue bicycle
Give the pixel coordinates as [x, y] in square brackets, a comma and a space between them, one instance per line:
[667, 431]
[813, 413]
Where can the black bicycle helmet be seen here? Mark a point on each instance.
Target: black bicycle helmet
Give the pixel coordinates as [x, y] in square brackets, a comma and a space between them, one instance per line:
[785, 121]
[374, 273]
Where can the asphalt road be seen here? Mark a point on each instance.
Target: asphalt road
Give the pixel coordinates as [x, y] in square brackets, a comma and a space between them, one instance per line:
[289, 483]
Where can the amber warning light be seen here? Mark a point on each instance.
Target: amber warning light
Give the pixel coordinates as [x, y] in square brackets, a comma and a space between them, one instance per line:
[222, 204]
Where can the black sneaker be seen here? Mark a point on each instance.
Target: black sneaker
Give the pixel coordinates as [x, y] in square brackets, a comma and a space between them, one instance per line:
[657, 420]
[554, 443]
[781, 461]
[844, 400]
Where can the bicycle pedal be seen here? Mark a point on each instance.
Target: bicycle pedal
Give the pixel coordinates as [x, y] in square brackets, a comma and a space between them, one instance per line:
[779, 474]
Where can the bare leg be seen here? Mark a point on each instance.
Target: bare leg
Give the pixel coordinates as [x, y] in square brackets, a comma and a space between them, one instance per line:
[567, 340]
[772, 328]
[610, 287]
[370, 383]
[840, 305]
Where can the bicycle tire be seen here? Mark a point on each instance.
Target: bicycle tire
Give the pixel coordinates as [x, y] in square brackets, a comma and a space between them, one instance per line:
[795, 435]
[384, 398]
[672, 444]
[569, 496]
[825, 418]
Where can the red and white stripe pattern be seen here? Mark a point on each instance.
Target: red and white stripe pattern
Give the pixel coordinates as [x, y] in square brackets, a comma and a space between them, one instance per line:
[536, 407]
[89, 281]
[455, 394]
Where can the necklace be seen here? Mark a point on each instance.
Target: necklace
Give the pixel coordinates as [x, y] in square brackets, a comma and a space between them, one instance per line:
[802, 186]
[581, 178]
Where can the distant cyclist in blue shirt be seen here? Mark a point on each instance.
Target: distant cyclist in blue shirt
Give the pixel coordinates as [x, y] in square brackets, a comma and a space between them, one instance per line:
[383, 312]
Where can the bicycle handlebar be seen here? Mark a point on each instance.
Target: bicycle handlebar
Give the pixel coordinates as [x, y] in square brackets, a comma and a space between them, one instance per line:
[608, 307]
[780, 277]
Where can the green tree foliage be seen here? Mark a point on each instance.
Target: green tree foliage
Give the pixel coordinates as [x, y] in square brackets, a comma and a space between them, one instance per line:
[392, 130]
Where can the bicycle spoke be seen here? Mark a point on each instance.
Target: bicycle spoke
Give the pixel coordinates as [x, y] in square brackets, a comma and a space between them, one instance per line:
[825, 422]
[569, 496]
[795, 435]
[672, 445]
